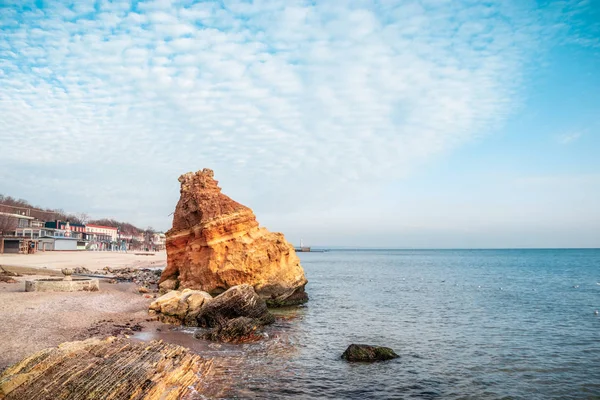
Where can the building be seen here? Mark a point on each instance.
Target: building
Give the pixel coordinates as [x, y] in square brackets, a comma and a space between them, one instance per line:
[109, 231]
[52, 239]
[159, 241]
[10, 223]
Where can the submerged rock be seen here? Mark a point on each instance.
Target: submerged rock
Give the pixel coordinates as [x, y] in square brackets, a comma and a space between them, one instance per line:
[237, 330]
[367, 353]
[216, 243]
[115, 368]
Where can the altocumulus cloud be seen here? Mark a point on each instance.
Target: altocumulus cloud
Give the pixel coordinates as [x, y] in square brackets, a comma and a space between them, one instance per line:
[110, 101]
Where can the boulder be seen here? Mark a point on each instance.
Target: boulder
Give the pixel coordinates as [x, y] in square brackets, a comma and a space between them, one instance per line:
[216, 243]
[238, 301]
[180, 307]
[367, 353]
[168, 285]
[237, 330]
[115, 368]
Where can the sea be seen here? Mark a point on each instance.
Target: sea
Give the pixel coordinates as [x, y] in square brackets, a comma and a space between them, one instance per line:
[467, 324]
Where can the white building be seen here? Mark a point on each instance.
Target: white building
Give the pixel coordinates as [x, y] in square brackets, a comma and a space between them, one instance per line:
[102, 230]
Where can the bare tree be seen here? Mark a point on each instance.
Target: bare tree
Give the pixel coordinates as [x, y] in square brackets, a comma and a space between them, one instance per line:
[84, 218]
[8, 224]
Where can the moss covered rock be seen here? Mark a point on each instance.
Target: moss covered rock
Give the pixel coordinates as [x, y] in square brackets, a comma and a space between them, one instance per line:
[367, 353]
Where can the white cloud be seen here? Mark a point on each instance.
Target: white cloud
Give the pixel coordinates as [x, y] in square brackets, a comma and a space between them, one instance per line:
[283, 99]
[568, 138]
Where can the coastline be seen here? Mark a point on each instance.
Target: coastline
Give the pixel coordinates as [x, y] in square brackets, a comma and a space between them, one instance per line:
[32, 321]
[92, 260]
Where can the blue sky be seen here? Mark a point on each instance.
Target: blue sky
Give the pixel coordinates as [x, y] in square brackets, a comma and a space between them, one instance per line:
[428, 123]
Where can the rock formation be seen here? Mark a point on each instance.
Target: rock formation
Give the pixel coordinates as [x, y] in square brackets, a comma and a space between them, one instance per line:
[216, 243]
[113, 368]
[233, 316]
[367, 353]
[180, 307]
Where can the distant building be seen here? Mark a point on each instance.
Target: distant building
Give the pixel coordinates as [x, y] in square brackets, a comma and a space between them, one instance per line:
[113, 233]
[13, 222]
[159, 241]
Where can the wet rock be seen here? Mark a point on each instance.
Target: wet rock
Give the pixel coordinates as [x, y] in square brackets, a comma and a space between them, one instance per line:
[234, 316]
[237, 330]
[216, 243]
[367, 353]
[238, 301]
[114, 367]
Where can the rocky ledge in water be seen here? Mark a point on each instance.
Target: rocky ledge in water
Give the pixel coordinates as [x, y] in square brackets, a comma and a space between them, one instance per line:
[367, 353]
[216, 243]
[115, 368]
[237, 315]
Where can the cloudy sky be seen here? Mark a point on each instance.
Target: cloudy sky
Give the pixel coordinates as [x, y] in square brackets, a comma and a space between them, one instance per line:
[386, 123]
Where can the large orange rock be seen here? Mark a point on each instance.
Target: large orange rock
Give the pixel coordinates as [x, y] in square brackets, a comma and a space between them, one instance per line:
[216, 243]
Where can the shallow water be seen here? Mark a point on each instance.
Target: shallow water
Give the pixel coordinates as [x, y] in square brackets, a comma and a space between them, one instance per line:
[468, 324]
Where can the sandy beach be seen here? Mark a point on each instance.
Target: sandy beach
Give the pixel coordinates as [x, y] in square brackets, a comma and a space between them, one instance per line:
[32, 321]
[92, 260]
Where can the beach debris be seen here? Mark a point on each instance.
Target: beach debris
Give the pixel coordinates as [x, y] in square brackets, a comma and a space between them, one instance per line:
[368, 353]
[109, 327]
[8, 276]
[81, 270]
[143, 289]
[216, 243]
[154, 370]
[145, 277]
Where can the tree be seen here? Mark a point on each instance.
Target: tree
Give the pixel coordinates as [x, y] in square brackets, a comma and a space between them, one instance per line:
[83, 217]
[8, 224]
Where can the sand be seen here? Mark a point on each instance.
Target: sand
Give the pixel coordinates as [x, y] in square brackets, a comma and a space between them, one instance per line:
[92, 260]
[32, 321]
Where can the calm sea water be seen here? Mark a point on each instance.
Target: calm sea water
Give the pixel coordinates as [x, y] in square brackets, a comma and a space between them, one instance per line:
[467, 324]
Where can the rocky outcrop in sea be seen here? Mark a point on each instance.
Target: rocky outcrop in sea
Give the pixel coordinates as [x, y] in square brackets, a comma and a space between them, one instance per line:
[216, 243]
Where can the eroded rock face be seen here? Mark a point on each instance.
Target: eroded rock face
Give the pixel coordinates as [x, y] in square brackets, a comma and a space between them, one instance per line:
[216, 243]
[114, 368]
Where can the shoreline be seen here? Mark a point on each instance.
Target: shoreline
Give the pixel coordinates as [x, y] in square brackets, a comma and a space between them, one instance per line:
[92, 260]
[33, 321]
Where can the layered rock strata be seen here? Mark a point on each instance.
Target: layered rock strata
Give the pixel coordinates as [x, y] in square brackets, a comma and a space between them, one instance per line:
[216, 243]
[113, 368]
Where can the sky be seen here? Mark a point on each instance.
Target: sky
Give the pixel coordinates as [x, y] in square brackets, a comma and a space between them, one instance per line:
[380, 123]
